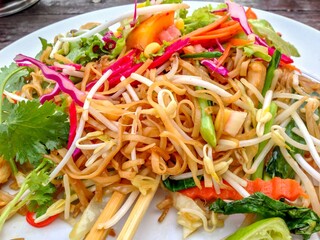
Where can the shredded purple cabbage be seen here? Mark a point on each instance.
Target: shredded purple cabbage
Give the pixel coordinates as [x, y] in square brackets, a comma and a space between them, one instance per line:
[51, 95]
[212, 65]
[134, 20]
[63, 82]
[76, 154]
[238, 14]
[219, 10]
[220, 47]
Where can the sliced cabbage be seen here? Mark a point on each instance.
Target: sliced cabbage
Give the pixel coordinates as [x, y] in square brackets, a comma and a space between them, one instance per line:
[190, 222]
[87, 220]
[264, 30]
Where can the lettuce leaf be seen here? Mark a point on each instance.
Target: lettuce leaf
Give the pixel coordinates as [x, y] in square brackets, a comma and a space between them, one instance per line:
[264, 30]
[199, 18]
[86, 50]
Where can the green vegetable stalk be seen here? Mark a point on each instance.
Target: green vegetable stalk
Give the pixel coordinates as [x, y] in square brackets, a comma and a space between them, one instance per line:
[33, 192]
[273, 65]
[301, 221]
[207, 129]
[202, 55]
[259, 172]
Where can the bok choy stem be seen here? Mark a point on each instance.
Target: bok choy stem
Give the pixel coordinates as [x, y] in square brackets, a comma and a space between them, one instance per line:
[259, 173]
[207, 129]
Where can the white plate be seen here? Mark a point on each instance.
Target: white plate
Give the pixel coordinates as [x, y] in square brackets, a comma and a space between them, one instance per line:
[305, 38]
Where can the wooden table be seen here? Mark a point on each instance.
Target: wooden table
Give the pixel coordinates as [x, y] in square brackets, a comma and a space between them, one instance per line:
[46, 12]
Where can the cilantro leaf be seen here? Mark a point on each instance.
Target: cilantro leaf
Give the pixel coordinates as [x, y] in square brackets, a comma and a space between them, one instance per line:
[16, 81]
[31, 129]
[6, 108]
[42, 195]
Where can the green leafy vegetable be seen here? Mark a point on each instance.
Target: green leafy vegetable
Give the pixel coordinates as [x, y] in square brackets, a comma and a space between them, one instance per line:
[301, 221]
[41, 197]
[178, 185]
[264, 29]
[86, 50]
[31, 129]
[15, 81]
[44, 44]
[6, 108]
[120, 44]
[277, 166]
[34, 192]
[199, 18]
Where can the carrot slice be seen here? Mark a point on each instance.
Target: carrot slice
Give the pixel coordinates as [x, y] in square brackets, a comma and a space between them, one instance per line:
[149, 30]
[250, 14]
[224, 56]
[275, 188]
[210, 37]
[207, 28]
[232, 28]
[239, 42]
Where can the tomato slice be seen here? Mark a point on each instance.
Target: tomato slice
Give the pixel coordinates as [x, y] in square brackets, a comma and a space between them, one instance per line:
[30, 219]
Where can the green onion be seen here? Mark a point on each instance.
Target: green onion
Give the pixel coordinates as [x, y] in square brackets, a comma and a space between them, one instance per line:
[202, 55]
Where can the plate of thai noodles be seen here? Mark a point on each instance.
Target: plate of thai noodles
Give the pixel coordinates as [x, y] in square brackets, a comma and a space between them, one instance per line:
[162, 120]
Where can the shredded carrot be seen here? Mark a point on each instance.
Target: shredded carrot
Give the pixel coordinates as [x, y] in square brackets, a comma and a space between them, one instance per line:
[289, 67]
[224, 56]
[213, 36]
[275, 188]
[228, 23]
[239, 42]
[219, 77]
[250, 14]
[232, 28]
[207, 28]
